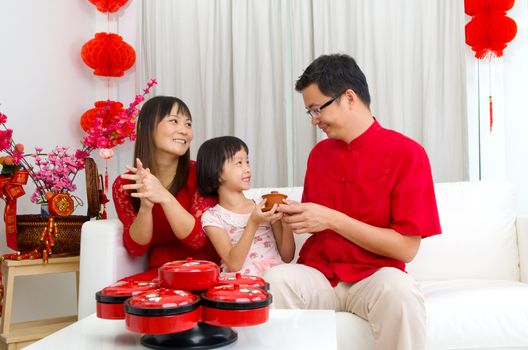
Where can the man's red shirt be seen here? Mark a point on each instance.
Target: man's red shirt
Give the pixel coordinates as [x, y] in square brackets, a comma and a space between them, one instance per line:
[382, 178]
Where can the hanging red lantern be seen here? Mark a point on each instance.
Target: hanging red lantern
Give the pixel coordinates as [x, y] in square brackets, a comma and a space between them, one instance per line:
[490, 29]
[108, 5]
[489, 33]
[108, 55]
[473, 7]
[106, 110]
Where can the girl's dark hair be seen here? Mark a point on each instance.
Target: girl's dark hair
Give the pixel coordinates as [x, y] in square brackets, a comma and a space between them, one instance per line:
[152, 112]
[210, 160]
[334, 74]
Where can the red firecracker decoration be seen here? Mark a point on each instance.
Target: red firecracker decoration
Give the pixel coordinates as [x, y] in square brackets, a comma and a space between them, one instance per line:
[489, 30]
[108, 5]
[108, 55]
[106, 110]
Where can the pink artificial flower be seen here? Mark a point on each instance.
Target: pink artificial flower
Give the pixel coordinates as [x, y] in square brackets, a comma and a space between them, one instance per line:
[5, 139]
[17, 157]
[152, 82]
[3, 118]
[81, 154]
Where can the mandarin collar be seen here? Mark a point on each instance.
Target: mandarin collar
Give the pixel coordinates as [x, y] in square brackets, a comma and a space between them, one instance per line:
[363, 139]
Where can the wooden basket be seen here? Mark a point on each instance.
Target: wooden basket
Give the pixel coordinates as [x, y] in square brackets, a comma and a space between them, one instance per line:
[30, 227]
[68, 242]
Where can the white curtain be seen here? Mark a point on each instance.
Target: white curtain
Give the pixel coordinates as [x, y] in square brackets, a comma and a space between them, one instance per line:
[235, 63]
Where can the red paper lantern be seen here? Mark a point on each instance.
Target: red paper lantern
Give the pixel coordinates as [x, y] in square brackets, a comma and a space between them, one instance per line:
[473, 7]
[106, 110]
[108, 5]
[489, 33]
[490, 29]
[108, 55]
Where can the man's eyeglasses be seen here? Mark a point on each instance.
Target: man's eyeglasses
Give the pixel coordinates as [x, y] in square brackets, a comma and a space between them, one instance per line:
[316, 113]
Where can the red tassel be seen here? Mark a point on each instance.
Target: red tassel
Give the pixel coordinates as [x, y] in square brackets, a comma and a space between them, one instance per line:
[106, 178]
[491, 112]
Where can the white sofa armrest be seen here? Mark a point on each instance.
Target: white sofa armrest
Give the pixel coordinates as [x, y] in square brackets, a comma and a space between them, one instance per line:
[522, 241]
[103, 261]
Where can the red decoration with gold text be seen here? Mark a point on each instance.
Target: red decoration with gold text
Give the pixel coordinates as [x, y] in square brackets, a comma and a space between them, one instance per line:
[61, 204]
[108, 5]
[108, 55]
[489, 30]
[10, 189]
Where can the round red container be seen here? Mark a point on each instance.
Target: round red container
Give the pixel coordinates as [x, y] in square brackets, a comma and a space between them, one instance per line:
[162, 311]
[244, 280]
[235, 306]
[192, 275]
[110, 299]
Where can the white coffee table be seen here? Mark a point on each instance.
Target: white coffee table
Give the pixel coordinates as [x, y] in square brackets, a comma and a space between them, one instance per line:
[286, 329]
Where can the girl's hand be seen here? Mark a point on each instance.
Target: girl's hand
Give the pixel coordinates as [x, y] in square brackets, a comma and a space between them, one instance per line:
[271, 216]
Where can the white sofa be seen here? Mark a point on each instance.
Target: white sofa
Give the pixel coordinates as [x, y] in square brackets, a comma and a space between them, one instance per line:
[474, 275]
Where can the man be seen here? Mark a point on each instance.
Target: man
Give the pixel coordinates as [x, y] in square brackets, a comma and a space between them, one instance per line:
[369, 199]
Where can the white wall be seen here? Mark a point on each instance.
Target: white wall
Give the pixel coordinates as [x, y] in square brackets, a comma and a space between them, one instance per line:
[44, 89]
[504, 150]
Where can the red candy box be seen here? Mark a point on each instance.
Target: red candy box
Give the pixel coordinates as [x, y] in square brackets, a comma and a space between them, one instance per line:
[162, 311]
[235, 306]
[110, 300]
[192, 275]
[244, 280]
[170, 316]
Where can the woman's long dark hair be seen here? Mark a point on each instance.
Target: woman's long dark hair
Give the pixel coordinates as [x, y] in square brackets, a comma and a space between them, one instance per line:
[152, 112]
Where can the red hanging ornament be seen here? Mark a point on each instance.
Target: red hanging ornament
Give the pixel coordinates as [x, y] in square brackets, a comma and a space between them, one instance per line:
[491, 112]
[106, 110]
[108, 55]
[473, 7]
[488, 31]
[108, 5]
[106, 154]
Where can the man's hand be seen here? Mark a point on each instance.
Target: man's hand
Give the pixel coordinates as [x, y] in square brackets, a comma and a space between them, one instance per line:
[305, 217]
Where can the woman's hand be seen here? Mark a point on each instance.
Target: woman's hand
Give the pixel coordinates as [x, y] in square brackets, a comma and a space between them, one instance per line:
[271, 216]
[149, 188]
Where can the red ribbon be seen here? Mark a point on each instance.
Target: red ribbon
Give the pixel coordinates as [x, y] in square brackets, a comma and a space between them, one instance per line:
[10, 189]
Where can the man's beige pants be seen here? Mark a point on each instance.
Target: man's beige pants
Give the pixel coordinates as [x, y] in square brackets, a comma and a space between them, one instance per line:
[389, 300]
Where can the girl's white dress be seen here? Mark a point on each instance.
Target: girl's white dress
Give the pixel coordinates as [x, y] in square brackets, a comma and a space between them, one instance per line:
[263, 253]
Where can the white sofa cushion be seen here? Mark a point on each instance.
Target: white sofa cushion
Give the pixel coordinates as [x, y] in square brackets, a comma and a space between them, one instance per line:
[479, 237]
[476, 314]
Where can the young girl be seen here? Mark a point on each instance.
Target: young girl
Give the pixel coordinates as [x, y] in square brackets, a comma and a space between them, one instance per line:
[246, 238]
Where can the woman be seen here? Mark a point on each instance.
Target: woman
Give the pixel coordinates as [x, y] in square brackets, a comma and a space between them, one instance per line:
[158, 201]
